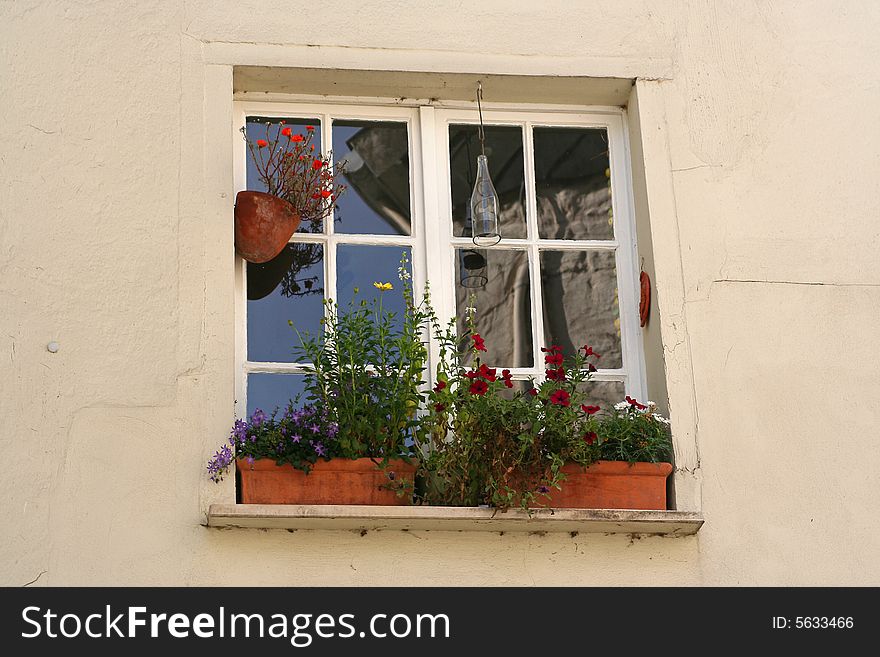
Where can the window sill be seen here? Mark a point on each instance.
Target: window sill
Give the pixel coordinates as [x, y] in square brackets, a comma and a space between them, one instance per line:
[436, 518]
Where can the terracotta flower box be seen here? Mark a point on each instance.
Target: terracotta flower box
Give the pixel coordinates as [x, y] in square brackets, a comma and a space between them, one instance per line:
[610, 485]
[337, 481]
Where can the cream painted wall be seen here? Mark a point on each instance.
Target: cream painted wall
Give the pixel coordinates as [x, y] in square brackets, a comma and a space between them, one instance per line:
[761, 175]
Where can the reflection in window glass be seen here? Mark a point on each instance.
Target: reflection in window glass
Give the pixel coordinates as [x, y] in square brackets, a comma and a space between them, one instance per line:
[580, 303]
[504, 307]
[360, 266]
[573, 184]
[288, 287]
[376, 159]
[505, 153]
[603, 393]
[257, 129]
[270, 391]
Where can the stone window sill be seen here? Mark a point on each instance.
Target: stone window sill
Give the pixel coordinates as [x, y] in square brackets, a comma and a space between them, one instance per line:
[436, 518]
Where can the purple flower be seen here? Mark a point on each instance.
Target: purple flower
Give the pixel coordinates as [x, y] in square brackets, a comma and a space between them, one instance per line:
[314, 428]
[319, 448]
[295, 438]
[332, 430]
[258, 417]
[219, 463]
[250, 460]
[543, 489]
[239, 432]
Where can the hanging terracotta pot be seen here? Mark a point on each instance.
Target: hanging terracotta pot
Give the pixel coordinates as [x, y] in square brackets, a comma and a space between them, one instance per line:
[263, 225]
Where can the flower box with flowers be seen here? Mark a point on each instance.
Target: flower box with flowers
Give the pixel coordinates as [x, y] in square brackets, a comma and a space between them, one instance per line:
[360, 438]
[543, 447]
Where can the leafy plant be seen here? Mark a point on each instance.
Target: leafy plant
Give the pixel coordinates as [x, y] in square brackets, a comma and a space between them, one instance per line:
[367, 371]
[632, 431]
[493, 446]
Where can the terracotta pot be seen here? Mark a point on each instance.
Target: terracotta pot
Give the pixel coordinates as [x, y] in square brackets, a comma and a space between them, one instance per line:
[263, 225]
[610, 485]
[337, 481]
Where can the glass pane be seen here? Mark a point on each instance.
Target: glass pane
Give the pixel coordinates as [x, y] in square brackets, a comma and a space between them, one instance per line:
[270, 391]
[580, 303]
[573, 184]
[360, 266]
[376, 158]
[505, 153]
[269, 128]
[604, 394]
[503, 304]
[289, 287]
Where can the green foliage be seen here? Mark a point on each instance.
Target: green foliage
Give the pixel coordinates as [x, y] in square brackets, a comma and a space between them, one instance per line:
[630, 431]
[367, 372]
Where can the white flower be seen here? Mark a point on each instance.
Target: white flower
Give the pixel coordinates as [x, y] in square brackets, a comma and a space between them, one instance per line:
[660, 418]
[403, 273]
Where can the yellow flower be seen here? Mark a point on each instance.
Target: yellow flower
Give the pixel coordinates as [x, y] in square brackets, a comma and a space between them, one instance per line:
[383, 286]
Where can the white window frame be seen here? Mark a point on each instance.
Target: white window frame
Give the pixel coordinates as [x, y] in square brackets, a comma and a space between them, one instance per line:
[431, 211]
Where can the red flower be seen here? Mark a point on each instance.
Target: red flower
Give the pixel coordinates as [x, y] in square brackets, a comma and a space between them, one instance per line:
[556, 375]
[262, 143]
[553, 348]
[505, 376]
[441, 385]
[554, 358]
[478, 387]
[439, 407]
[533, 392]
[633, 402]
[288, 155]
[325, 193]
[589, 410]
[286, 132]
[590, 437]
[588, 351]
[487, 373]
[591, 367]
[316, 196]
[560, 398]
[310, 128]
[296, 137]
[479, 343]
[317, 164]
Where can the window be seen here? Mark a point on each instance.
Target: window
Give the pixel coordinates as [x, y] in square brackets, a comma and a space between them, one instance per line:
[564, 272]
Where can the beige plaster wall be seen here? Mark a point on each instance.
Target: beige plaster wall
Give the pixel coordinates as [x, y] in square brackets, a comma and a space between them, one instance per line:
[760, 173]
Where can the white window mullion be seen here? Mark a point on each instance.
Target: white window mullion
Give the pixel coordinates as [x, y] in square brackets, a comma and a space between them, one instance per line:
[534, 253]
[436, 241]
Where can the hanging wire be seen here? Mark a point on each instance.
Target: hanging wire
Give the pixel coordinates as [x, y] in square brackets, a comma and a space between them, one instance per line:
[481, 133]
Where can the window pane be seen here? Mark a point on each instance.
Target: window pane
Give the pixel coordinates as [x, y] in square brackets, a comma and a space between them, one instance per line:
[360, 266]
[288, 287]
[573, 184]
[270, 391]
[580, 303]
[376, 158]
[268, 128]
[603, 393]
[503, 303]
[505, 153]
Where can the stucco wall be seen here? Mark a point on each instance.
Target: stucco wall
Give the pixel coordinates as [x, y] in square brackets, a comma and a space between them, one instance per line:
[763, 181]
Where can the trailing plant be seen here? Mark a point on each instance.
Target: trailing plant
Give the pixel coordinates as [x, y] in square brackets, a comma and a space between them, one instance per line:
[297, 436]
[493, 445]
